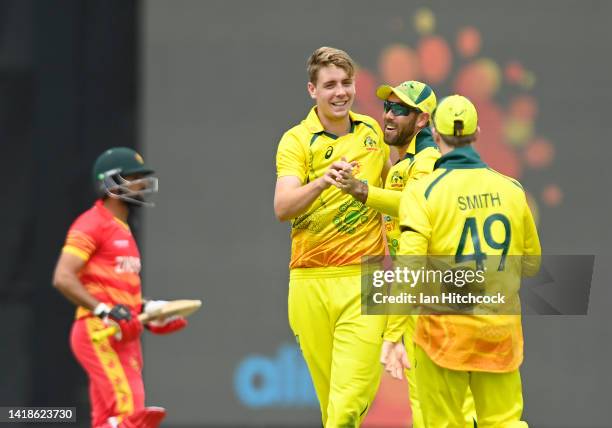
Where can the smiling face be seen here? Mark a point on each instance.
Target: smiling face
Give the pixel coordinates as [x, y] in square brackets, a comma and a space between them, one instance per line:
[334, 92]
[399, 130]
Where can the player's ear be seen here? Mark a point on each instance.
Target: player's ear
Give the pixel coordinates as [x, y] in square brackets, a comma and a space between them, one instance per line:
[436, 136]
[312, 90]
[422, 119]
[476, 134]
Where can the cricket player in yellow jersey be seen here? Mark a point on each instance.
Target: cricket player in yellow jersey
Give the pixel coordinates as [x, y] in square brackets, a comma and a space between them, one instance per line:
[407, 111]
[330, 232]
[453, 352]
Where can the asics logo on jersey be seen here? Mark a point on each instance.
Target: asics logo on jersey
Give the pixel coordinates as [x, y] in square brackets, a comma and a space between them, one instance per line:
[127, 264]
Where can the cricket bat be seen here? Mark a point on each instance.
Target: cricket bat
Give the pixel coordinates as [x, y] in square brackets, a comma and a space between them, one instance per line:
[172, 308]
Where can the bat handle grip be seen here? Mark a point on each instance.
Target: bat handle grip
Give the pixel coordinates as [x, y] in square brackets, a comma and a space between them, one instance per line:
[100, 335]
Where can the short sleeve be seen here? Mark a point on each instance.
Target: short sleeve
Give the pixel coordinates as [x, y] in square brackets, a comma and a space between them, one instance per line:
[414, 213]
[82, 238]
[291, 159]
[423, 163]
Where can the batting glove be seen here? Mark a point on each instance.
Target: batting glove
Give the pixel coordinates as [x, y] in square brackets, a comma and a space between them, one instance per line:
[129, 325]
[166, 325]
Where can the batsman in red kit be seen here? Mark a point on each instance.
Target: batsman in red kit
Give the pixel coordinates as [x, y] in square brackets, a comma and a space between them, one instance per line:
[99, 271]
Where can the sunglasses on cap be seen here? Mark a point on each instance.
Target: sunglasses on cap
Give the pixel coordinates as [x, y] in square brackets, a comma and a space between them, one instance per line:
[399, 109]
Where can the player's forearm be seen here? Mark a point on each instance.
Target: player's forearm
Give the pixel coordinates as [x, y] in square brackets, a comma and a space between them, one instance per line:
[356, 188]
[292, 202]
[384, 200]
[69, 285]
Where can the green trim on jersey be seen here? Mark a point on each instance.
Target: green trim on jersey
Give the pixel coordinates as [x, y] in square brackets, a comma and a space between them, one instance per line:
[367, 124]
[436, 181]
[516, 183]
[424, 139]
[334, 136]
[460, 158]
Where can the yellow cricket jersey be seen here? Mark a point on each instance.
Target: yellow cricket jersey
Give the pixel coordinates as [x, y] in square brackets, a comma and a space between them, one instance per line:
[419, 161]
[337, 229]
[467, 210]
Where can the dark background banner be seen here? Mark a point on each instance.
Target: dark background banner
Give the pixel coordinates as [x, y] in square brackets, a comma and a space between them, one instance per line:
[205, 89]
[68, 91]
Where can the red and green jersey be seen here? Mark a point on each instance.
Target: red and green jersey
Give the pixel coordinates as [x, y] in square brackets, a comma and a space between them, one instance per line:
[112, 269]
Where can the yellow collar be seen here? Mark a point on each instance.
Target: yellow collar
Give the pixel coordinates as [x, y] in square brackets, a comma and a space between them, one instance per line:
[412, 146]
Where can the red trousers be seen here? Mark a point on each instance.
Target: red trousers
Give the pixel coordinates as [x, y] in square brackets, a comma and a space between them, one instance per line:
[114, 369]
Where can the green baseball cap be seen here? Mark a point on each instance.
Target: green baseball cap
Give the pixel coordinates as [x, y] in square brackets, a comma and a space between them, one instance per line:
[456, 116]
[413, 93]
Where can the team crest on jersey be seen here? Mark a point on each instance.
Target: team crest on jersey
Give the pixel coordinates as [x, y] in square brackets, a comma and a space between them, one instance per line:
[370, 144]
[397, 181]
